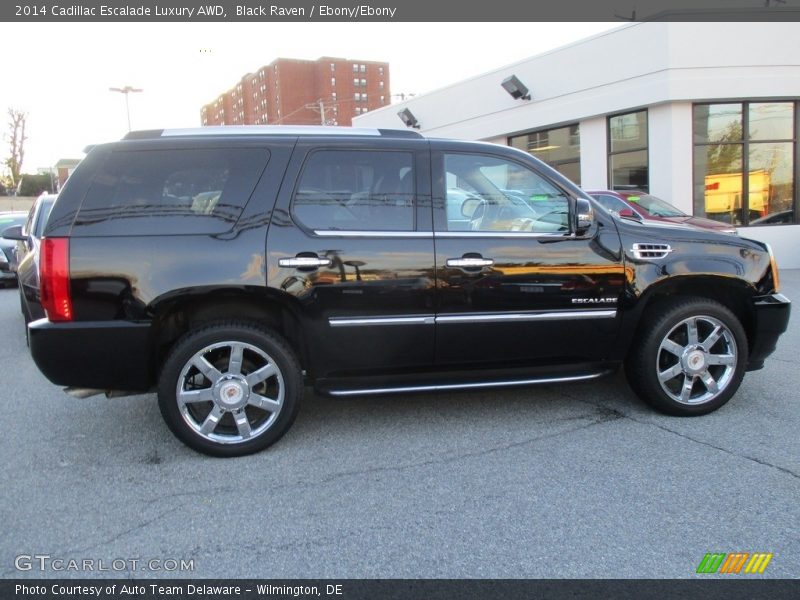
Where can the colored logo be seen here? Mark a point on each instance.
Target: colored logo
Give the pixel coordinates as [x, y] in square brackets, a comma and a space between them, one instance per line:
[735, 563]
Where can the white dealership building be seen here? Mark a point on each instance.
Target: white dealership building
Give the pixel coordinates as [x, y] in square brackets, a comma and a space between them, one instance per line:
[704, 115]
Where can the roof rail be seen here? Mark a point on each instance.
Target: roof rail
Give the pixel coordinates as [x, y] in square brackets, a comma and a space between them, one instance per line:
[235, 130]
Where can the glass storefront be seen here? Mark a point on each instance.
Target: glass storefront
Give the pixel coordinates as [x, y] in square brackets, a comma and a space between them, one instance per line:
[753, 138]
[627, 152]
[560, 148]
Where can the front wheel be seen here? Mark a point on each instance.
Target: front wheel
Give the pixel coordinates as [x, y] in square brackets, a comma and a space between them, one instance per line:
[690, 359]
[230, 389]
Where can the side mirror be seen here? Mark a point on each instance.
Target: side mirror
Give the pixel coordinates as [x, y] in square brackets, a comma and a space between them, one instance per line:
[14, 233]
[584, 216]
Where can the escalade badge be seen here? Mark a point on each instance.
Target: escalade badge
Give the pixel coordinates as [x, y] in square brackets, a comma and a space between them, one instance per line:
[593, 300]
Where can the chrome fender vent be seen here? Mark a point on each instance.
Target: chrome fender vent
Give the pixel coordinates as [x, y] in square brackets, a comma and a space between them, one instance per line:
[651, 251]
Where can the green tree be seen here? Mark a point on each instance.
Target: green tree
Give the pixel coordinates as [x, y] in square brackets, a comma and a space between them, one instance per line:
[33, 185]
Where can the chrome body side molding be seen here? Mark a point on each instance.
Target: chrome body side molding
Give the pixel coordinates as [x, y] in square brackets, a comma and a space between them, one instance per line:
[371, 321]
[472, 318]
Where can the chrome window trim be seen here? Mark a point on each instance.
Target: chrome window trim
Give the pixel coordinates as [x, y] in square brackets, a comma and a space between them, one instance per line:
[472, 318]
[466, 386]
[376, 234]
[438, 234]
[500, 234]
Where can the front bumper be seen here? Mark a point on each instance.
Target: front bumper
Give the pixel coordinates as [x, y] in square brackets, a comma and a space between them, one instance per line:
[771, 320]
[106, 355]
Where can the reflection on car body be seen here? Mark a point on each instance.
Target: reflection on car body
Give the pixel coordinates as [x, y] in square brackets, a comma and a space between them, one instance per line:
[644, 206]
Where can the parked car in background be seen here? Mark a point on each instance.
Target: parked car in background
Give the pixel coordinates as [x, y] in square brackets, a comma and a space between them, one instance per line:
[8, 255]
[27, 237]
[783, 217]
[644, 206]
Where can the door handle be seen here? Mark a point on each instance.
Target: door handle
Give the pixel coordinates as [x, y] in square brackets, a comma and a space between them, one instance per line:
[469, 262]
[304, 262]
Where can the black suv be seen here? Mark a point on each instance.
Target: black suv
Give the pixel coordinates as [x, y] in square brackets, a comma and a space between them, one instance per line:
[223, 266]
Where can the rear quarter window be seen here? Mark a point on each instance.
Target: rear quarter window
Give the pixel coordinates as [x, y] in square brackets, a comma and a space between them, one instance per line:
[171, 191]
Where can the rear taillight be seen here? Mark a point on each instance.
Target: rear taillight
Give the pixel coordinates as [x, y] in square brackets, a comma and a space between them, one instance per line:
[54, 279]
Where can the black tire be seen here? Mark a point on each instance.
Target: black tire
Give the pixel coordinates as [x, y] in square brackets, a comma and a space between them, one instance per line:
[666, 345]
[235, 419]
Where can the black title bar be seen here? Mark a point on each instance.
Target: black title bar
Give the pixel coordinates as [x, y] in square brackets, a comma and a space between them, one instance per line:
[399, 589]
[282, 11]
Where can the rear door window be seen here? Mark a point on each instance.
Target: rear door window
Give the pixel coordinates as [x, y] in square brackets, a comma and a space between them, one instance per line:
[356, 190]
[144, 192]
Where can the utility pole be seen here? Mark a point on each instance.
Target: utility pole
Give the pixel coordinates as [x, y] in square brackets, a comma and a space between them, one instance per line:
[318, 106]
[126, 90]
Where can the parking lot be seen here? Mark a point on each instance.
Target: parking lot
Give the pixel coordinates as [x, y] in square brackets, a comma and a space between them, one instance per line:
[559, 481]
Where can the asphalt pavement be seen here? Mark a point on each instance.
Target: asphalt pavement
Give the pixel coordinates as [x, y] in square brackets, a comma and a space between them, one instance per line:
[578, 480]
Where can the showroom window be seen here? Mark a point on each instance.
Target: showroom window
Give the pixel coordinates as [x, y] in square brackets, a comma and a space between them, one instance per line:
[627, 152]
[757, 138]
[560, 148]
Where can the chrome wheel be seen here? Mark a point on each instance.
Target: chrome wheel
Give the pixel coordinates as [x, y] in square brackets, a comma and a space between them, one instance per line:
[230, 392]
[696, 360]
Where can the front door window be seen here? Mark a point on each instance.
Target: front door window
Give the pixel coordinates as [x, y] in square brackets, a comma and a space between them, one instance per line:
[485, 193]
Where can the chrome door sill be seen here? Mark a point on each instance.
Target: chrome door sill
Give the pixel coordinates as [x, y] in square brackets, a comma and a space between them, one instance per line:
[464, 386]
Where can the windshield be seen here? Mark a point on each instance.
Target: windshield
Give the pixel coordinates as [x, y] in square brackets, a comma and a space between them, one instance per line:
[656, 206]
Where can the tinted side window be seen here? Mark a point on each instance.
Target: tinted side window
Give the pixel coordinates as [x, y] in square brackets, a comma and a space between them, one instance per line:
[41, 218]
[485, 193]
[27, 228]
[354, 190]
[139, 192]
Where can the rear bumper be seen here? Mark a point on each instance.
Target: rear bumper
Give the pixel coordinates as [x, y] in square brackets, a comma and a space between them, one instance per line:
[107, 355]
[771, 320]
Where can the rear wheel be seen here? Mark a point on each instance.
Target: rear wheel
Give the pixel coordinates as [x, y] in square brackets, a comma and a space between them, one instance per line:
[690, 359]
[230, 389]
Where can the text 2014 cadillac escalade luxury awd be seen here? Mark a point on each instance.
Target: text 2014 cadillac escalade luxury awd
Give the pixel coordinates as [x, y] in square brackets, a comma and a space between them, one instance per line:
[224, 267]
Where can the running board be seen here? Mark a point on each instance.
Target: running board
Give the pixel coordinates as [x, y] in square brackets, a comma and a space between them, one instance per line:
[465, 386]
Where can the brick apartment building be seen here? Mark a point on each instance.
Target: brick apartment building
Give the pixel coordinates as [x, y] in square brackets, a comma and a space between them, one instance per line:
[290, 91]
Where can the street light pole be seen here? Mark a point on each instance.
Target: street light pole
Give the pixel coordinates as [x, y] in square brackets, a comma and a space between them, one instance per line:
[126, 90]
